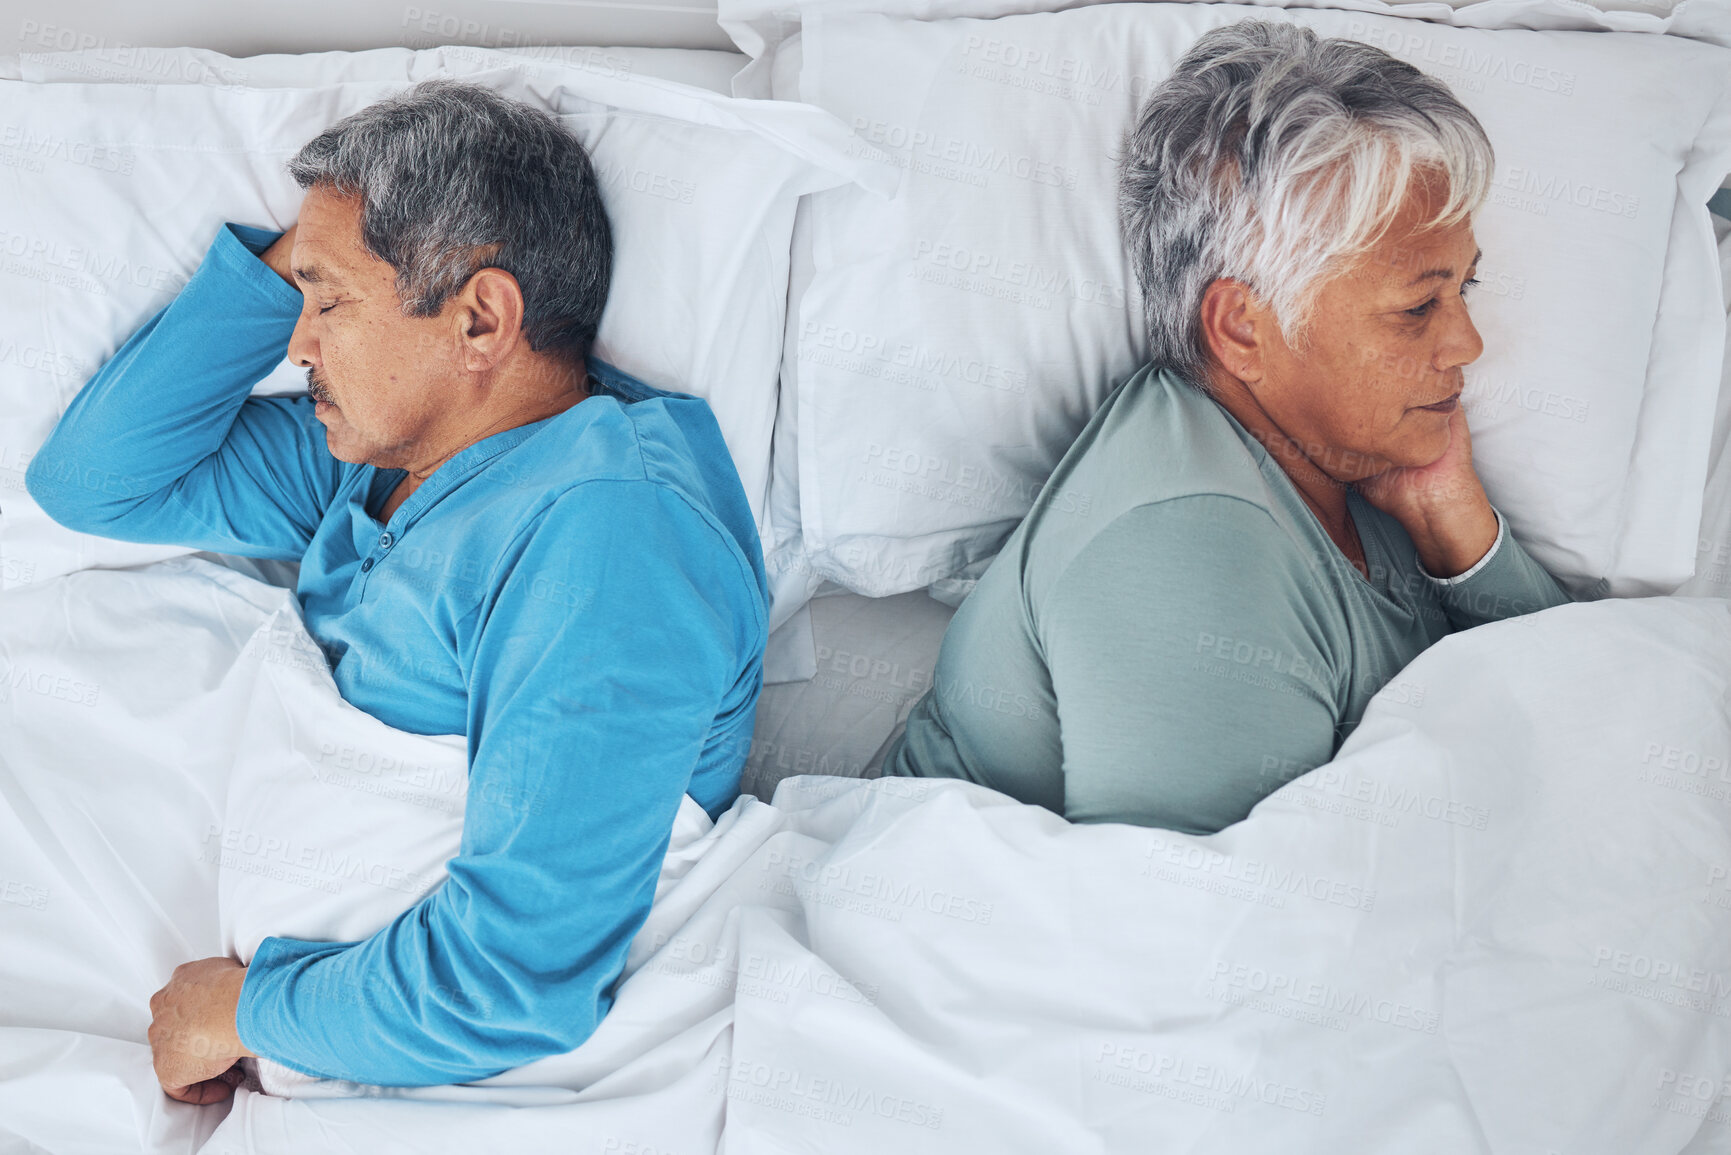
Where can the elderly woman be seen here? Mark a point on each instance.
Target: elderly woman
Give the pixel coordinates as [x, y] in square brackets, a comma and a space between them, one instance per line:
[1284, 509]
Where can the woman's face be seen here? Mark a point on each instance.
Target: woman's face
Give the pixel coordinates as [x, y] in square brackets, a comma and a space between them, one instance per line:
[1382, 371]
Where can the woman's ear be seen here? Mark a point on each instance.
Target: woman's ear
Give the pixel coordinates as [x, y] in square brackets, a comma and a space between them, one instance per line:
[1232, 319]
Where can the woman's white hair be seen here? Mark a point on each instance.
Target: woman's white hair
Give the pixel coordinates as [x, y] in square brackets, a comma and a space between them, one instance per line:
[1269, 156]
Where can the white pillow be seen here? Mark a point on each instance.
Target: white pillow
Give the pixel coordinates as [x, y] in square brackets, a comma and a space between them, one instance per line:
[954, 339]
[758, 27]
[132, 64]
[112, 193]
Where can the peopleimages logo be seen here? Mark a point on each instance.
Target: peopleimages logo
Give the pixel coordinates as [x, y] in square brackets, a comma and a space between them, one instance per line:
[1254, 872]
[1328, 997]
[1161, 1072]
[1069, 69]
[233, 844]
[897, 894]
[25, 679]
[42, 360]
[1477, 64]
[938, 148]
[1549, 186]
[1016, 273]
[619, 177]
[123, 61]
[40, 146]
[53, 255]
[1034, 69]
[825, 1099]
[899, 459]
[862, 352]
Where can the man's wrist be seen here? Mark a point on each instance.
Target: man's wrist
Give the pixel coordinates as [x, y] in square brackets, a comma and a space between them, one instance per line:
[238, 983]
[276, 256]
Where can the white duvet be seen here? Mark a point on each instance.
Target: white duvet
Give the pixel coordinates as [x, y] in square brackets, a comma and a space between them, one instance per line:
[1499, 921]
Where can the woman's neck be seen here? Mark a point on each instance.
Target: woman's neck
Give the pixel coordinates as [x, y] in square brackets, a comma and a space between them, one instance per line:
[1325, 496]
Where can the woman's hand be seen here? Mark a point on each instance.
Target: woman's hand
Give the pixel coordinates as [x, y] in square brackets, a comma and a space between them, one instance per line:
[1442, 506]
[277, 255]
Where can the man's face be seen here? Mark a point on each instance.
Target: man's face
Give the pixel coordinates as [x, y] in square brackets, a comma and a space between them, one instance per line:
[376, 374]
[1382, 372]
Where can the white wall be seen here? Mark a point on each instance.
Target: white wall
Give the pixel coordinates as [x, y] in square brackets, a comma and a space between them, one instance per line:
[249, 27]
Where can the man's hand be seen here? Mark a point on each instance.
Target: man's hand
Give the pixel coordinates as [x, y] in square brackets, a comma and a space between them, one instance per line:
[277, 255]
[193, 1041]
[1442, 506]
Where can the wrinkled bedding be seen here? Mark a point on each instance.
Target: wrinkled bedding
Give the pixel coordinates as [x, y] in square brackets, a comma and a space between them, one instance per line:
[1499, 920]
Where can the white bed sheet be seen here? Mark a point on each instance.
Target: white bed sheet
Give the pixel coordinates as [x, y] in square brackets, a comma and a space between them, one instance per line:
[867, 661]
[1498, 922]
[1712, 576]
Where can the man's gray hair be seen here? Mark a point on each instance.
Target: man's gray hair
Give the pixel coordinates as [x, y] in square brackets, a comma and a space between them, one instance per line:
[454, 178]
[1268, 156]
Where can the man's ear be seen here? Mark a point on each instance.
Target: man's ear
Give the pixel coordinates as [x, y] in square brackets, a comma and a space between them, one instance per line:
[1233, 320]
[488, 318]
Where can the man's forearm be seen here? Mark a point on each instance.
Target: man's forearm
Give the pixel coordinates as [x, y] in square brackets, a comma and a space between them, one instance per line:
[167, 399]
[276, 255]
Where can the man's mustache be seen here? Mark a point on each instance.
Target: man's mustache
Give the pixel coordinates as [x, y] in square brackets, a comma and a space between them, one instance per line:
[317, 388]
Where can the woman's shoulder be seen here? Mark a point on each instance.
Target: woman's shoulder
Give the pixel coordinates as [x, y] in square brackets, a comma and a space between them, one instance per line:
[1157, 438]
[1155, 441]
[1202, 541]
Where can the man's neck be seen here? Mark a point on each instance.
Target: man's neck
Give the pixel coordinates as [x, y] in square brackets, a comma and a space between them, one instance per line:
[525, 412]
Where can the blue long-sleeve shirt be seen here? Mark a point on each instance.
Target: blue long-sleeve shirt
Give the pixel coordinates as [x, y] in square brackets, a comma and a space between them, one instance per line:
[582, 596]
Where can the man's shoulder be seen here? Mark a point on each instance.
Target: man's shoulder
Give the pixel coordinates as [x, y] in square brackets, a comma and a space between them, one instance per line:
[660, 435]
[640, 476]
[624, 431]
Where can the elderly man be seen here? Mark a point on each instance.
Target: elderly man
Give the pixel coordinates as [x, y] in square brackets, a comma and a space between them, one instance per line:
[1285, 510]
[498, 537]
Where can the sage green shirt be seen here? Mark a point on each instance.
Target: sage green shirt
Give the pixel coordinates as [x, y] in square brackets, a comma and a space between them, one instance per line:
[1170, 634]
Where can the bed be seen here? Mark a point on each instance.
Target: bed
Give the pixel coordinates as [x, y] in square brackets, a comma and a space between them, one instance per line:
[1497, 921]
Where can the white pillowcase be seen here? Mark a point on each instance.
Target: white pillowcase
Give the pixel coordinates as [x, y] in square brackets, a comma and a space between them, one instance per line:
[759, 26]
[953, 340]
[112, 192]
[703, 68]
